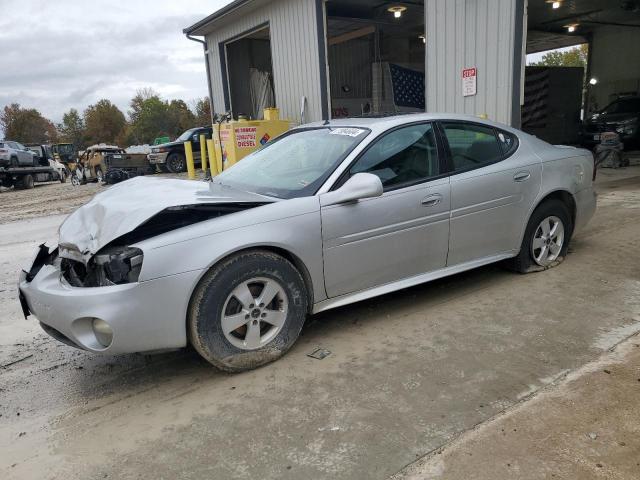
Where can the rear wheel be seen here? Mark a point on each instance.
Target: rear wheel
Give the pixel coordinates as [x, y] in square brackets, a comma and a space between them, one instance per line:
[25, 182]
[176, 163]
[247, 311]
[546, 239]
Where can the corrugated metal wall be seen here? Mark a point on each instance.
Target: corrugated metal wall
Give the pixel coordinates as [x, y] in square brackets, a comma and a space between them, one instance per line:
[294, 51]
[472, 33]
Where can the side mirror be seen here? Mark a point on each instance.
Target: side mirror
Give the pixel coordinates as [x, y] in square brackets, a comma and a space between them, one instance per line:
[358, 187]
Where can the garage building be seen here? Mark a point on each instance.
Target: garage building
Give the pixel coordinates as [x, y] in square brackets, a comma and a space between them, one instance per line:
[320, 59]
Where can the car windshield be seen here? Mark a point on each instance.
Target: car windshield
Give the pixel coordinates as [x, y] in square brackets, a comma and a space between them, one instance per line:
[294, 165]
[186, 135]
[631, 105]
[65, 149]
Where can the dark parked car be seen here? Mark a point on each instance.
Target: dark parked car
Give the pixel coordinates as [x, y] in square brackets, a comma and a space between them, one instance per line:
[621, 116]
[170, 156]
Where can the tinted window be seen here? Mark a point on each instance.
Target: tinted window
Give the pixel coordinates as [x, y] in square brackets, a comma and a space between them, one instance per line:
[471, 145]
[630, 105]
[404, 156]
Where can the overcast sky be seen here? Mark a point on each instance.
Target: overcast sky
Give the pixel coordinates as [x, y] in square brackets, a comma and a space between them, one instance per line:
[62, 54]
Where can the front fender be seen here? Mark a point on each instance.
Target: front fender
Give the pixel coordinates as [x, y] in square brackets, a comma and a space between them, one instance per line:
[292, 225]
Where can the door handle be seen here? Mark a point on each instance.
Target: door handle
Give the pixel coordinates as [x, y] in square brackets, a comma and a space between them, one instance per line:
[431, 200]
[521, 176]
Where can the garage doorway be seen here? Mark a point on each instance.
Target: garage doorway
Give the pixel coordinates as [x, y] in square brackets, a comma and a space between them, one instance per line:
[575, 104]
[250, 74]
[376, 57]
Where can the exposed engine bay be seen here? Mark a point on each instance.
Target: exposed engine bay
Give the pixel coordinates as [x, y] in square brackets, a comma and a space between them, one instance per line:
[118, 263]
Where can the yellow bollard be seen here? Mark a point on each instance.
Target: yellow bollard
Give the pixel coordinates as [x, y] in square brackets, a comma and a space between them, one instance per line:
[191, 169]
[203, 154]
[211, 148]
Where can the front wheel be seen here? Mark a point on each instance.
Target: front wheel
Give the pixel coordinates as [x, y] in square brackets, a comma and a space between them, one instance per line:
[247, 311]
[546, 239]
[176, 163]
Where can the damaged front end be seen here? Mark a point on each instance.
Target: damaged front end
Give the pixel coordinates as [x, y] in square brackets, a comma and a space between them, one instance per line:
[113, 265]
[119, 263]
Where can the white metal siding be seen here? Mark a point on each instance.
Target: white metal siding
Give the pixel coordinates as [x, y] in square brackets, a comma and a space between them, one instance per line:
[470, 33]
[294, 52]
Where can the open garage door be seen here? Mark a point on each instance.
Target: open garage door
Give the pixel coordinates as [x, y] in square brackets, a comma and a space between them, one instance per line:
[563, 106]
[376, 57]
[250, 74]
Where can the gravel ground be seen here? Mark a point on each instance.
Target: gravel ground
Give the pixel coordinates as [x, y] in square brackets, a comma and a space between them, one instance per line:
[47, 199]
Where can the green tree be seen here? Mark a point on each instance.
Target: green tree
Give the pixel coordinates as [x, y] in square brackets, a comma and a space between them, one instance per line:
[575, 57]
[104, 122]
[202, 110]
[72, 128]
[26, 125]
[179, 118]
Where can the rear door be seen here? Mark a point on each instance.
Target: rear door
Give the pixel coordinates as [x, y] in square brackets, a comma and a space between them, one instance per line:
[493, 185]
[400, 234]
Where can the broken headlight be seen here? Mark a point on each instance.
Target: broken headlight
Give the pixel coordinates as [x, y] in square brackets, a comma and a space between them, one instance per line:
[111, 266]
[116, 265]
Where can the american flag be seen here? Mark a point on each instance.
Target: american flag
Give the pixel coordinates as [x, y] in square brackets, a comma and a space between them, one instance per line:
[408, 87]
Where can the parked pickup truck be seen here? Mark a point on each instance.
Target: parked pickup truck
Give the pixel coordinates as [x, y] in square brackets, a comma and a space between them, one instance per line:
[170, 156]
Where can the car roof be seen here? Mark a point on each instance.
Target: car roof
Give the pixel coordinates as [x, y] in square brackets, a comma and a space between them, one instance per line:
[381, 123]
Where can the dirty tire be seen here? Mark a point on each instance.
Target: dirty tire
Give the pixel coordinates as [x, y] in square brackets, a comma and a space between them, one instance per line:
[25, 183]
[524, 262]
[176, 163]
[208, 300]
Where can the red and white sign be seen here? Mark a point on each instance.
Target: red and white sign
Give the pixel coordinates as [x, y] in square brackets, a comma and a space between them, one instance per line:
[246, 137]
[469, 77]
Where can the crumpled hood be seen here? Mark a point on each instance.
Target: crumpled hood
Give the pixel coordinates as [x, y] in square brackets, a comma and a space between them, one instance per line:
[127, 205]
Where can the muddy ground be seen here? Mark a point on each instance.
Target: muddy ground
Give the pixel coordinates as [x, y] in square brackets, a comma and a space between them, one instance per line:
[408, 372]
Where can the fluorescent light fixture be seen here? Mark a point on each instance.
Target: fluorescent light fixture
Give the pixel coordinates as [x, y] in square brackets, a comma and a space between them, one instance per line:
[397, 10]
[593, 81]
[555, 5]
[571, 27]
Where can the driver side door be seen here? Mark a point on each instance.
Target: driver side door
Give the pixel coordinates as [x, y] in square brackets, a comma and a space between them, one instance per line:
[402, 233]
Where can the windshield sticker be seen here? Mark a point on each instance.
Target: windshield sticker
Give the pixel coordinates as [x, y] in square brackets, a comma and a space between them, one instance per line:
[352, 132]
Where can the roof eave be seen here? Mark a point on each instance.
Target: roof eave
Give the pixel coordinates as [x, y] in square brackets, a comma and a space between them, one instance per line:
[198, 28]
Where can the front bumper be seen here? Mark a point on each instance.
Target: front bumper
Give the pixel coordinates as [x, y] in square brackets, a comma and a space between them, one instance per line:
[156, 158]
[144, 316]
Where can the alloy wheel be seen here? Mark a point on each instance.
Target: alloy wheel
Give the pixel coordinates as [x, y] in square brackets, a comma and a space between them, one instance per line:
[548, 240]
[254, 313]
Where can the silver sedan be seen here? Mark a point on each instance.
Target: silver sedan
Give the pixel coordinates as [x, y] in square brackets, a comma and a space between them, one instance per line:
[323, 216]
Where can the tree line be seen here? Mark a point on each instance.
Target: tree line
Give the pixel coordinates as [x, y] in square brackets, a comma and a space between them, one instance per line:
[149, 116]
